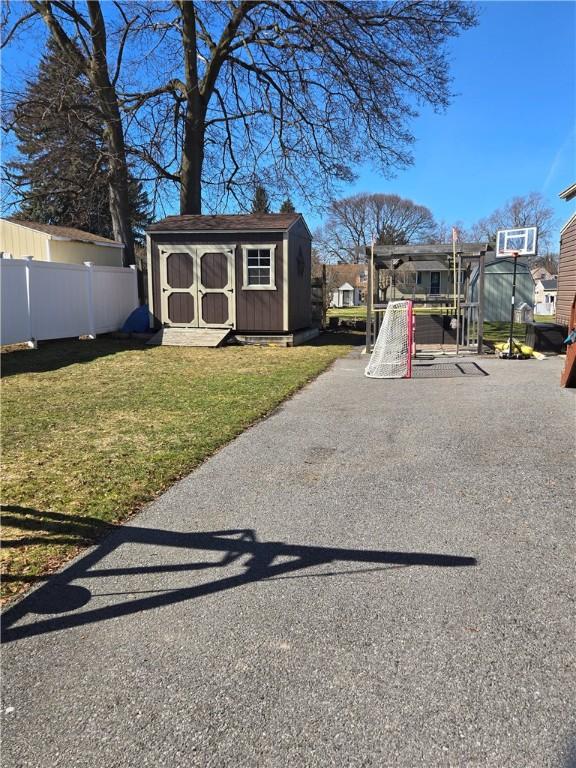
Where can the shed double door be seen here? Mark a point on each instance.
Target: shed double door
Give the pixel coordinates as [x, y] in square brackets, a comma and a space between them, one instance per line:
[197, 286]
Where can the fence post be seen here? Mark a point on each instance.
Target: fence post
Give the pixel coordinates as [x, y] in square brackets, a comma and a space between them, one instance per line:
[90, 299]
[136, 292]
[31, 336]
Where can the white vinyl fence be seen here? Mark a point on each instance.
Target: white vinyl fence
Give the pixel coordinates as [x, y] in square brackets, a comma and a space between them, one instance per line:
[545, 308]
[48, 300]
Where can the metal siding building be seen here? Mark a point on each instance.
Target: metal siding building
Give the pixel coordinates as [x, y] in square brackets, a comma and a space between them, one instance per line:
[498, 277]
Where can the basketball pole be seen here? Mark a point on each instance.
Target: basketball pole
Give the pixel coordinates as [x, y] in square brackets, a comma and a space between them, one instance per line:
[459, 273]
[454, 263]
[515, 257]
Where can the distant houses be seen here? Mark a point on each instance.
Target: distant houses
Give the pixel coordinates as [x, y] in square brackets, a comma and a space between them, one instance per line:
[347, 284]
[545, 293]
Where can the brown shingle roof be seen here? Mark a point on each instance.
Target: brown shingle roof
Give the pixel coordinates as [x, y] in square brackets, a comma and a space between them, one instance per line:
[249, 222]
[70, 233]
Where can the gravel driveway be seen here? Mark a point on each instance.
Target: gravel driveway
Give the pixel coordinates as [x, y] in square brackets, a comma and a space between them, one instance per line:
[380, 574]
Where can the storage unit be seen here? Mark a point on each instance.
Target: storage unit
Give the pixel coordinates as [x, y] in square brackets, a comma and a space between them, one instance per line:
[65, 245]
[249, 274]
[498, 278]
[346, 296]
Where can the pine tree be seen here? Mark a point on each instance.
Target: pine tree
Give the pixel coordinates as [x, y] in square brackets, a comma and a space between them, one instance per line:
[287, 206]
[260, 203]
[61, 176]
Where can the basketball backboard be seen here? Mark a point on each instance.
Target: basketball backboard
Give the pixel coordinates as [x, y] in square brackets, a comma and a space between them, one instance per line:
[520, 241]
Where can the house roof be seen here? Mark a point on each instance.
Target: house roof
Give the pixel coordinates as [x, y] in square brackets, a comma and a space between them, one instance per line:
[549, 285]
[248, 222]
[346, 287]
[353, 274]
[568, 193]
[569, 223]
[64, 233]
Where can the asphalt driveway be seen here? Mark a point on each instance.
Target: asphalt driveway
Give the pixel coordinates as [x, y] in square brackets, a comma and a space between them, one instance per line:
[380, 574]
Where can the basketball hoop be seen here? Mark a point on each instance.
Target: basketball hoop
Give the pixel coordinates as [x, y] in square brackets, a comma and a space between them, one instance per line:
[513, 243]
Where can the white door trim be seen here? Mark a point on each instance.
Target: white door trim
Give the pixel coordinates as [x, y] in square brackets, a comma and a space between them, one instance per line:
[165, 289]
[229, 289]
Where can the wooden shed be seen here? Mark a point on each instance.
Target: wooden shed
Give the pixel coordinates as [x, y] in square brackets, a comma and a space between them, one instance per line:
[247, 276]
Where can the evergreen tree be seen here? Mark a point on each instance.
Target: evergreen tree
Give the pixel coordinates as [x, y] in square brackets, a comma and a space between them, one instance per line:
[287, 206]
[61, 177]
[260, 203]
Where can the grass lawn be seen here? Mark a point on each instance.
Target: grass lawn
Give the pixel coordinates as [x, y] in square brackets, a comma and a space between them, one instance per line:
[348, 313]
[92, 430]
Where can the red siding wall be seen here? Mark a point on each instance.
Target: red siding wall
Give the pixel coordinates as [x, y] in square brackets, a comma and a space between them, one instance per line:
[566, 273]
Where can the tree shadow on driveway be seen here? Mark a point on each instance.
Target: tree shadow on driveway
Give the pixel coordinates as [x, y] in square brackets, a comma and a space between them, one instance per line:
[63, 600]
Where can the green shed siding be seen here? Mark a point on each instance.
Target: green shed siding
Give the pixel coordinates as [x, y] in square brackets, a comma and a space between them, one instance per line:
[498, 288]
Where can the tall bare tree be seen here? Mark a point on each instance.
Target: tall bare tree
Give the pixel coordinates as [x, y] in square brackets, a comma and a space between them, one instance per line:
[83, 39]
[60, 174]
[529, 210]
[293, 93]
[353, 222]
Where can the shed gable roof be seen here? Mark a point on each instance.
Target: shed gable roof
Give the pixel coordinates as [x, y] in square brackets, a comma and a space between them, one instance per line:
[63, 233]
[248, 222]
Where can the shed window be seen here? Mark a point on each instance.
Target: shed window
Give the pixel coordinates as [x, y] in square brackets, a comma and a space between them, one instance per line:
[258, 267]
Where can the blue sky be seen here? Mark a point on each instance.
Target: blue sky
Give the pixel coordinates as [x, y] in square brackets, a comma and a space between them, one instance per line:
[511, 128]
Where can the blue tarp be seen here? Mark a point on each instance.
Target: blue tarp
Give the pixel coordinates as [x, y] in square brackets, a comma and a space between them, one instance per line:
[138, 321]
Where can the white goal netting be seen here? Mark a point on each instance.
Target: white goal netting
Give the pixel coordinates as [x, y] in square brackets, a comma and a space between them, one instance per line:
[390, 357]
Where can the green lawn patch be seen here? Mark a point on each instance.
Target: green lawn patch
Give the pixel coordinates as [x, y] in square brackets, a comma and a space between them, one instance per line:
[348, 313]
[500, 331]
[92, 430]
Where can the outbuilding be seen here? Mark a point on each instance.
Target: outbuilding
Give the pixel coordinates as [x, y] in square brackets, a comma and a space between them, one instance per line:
[346, 295]
[64, 245]
[247, 276]
[498, 277]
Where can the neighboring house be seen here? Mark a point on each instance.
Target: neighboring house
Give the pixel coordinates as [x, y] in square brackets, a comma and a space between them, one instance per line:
[423, 273]
[249, 274]
[541, 273]
[545, 293]
[355, 275]
[346, 296]
[567, 265]
[498, 278]
[45, 242]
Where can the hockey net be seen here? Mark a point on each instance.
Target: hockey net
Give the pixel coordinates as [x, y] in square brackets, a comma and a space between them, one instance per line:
[392, 354]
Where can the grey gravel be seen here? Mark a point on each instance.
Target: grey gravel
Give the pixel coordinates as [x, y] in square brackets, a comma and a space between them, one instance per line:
[135, 656]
